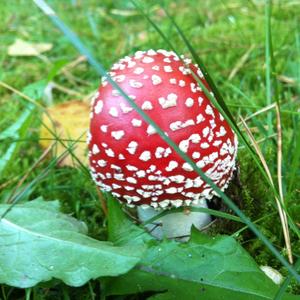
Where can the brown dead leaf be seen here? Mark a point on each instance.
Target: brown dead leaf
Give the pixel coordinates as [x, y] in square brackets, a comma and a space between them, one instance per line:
[70, 122]
[23, 48]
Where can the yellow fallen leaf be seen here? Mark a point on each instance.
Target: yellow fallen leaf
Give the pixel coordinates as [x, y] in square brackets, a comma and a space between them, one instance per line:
[23, 48]
[70, 122]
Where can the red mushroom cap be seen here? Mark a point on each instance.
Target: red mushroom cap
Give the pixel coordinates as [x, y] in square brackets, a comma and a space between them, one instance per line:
[127, 156]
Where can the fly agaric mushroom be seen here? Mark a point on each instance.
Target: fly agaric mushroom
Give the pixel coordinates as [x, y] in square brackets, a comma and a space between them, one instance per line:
[130, 160]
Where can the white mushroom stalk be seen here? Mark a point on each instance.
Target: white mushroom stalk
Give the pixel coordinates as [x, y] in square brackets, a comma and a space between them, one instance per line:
[175, 225]
[130, 160]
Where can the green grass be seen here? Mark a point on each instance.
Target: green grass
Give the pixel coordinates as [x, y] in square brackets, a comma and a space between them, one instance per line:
[221, 32]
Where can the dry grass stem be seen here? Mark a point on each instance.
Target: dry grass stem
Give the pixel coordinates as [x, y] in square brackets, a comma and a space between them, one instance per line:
[22, 95]
[279, 176]
[9, 182]
[282, 214]
[241, 62]
[74, 63]
[66, 71]
[264, 109]
[66, 90]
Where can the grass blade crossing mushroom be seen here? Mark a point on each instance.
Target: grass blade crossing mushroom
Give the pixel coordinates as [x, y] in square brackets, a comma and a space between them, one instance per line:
[130, 160]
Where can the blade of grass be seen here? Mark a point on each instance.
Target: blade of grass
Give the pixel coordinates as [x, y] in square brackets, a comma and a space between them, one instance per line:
[297, 43]
[238, 232]
[279, 176]
[265, 138]
[36, 140]
[22, 95]
[294, 148]
[294, 165]
[259, 124]
[17, 197]
[286, 283]
[21, 127]
[74, 39]
[241, 62]
[25, 176]
[28, 293]
[197, 59]
[271, 88]
[258, 112]
[216, 98]
[268, 53]
[208, 78]
[233, 125]
[3, 292]
[69, 149]
[16, 130]
[220, 107]
[52, 132]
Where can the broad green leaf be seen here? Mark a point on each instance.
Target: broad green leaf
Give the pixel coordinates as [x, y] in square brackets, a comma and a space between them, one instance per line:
[38, 243]
[212, 269]
[121, 230]
[204, 268]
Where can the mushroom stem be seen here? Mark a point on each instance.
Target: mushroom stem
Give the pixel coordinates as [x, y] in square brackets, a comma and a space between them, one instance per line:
[175, 225]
